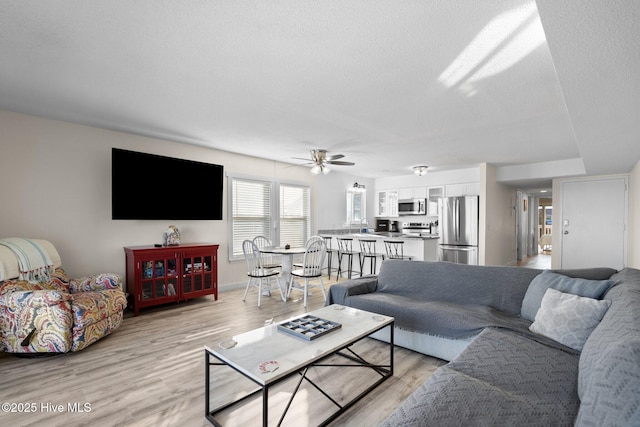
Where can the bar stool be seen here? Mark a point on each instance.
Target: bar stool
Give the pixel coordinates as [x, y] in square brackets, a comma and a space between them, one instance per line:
[395, 250]
[327, 241]
[368, 250]
[345, 248]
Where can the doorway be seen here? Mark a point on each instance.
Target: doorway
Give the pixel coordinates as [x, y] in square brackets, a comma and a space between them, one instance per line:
[533, 228]
[545, 224]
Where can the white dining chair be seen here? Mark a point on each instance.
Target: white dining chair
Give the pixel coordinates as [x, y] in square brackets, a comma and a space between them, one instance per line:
[268, 260]
[312, 264]
[258, 274]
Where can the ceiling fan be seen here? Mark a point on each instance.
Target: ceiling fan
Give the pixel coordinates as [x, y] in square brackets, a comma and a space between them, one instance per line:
[320, 160]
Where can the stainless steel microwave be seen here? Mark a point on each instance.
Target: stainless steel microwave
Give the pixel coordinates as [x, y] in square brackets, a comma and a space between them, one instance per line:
[412, 207]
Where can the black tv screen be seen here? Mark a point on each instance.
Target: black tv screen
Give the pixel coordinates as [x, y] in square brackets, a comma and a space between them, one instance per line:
[148, 186]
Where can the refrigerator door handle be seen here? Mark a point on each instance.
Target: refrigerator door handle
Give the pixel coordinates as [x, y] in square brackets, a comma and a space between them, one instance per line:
[457, 220]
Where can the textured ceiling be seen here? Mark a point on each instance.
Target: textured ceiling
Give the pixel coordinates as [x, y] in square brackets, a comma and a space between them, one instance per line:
[389, 84]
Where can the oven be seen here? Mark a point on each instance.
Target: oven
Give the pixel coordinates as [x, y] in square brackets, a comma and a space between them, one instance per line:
[416, 228]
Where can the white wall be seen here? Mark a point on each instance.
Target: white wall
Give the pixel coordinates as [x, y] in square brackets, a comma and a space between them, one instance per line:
[497, 220]
[332, 199]
[55, 183]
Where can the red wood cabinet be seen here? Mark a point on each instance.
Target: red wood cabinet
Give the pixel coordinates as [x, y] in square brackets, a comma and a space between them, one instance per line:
[159, 275]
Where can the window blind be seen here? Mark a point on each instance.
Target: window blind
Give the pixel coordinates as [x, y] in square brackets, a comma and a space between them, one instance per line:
[295, 221]
[251, 211]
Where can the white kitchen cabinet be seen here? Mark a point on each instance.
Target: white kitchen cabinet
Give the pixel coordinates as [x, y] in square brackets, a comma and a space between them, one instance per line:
[433, 195]
[405, 193]
[473, 189]
[419, 192]
[465, 189]
[387, 203]
[431, 247]
[393, 203]
[412, 193]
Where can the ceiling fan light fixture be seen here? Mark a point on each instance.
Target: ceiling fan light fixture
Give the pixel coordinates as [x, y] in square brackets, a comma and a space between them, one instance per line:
[420, 170]
[321, 161]
[316, 169]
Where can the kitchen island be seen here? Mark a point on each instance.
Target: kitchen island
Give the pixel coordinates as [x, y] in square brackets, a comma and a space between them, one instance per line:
[422, 247]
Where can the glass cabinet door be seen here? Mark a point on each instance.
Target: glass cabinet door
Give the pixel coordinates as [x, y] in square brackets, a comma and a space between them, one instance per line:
[159, 279]
[197, 275]
[208, 277]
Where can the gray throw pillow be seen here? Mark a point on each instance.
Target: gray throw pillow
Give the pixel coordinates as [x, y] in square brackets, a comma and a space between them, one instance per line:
[568, 319]
[571, 285]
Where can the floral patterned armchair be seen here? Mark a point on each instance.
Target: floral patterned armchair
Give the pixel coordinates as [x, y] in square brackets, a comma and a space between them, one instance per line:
[61, 314]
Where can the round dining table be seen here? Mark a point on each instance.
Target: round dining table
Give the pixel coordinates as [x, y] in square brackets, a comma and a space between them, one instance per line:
[287, 258]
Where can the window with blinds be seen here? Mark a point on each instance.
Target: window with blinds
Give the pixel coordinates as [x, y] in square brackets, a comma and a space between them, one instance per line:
[295, 221]
[251, 211]
[257, 205]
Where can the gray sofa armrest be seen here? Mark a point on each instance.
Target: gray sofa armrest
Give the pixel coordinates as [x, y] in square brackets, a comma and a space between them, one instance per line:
[339, 292]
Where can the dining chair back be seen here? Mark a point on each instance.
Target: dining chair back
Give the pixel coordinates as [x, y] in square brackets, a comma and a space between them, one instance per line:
[258, 274]
[312, 263]
[268, 260]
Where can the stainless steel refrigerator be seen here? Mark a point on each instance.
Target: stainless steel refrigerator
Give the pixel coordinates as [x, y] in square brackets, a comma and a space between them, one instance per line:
[458, 218]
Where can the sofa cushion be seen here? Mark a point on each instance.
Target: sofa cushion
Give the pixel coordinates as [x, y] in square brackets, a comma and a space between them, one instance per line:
[501, 378]
[567, 318]
[499, 287]
[96, 282]
[573, 285]
[436, 317]
[609, 378]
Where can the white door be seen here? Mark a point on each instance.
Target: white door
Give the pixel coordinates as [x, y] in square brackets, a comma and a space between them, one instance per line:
[593, 223]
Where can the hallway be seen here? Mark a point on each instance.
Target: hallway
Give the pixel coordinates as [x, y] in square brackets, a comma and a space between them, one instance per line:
[541, 261]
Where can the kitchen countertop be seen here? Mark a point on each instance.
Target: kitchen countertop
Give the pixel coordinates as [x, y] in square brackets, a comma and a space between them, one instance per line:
[384, 234]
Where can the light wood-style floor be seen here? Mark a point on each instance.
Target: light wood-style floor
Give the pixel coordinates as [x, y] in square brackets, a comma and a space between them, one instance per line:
[150, 372]
[541, 261]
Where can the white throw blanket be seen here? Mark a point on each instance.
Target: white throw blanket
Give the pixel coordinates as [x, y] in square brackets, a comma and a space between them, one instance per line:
[34, 261]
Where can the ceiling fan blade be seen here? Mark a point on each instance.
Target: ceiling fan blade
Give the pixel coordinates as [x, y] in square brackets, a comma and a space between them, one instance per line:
[341, 163]
[302, 158]
[335, 157]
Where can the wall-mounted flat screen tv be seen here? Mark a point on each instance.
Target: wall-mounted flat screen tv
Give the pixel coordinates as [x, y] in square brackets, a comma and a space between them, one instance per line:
[148, 186]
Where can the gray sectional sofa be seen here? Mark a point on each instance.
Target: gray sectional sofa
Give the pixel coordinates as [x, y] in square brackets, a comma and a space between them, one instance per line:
[580, 367]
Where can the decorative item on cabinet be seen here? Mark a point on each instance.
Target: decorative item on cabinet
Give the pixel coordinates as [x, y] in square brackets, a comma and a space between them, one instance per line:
[159, 275]
[171, 237]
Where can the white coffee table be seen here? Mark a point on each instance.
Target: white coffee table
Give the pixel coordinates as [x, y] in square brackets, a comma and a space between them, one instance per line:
[294, 356]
